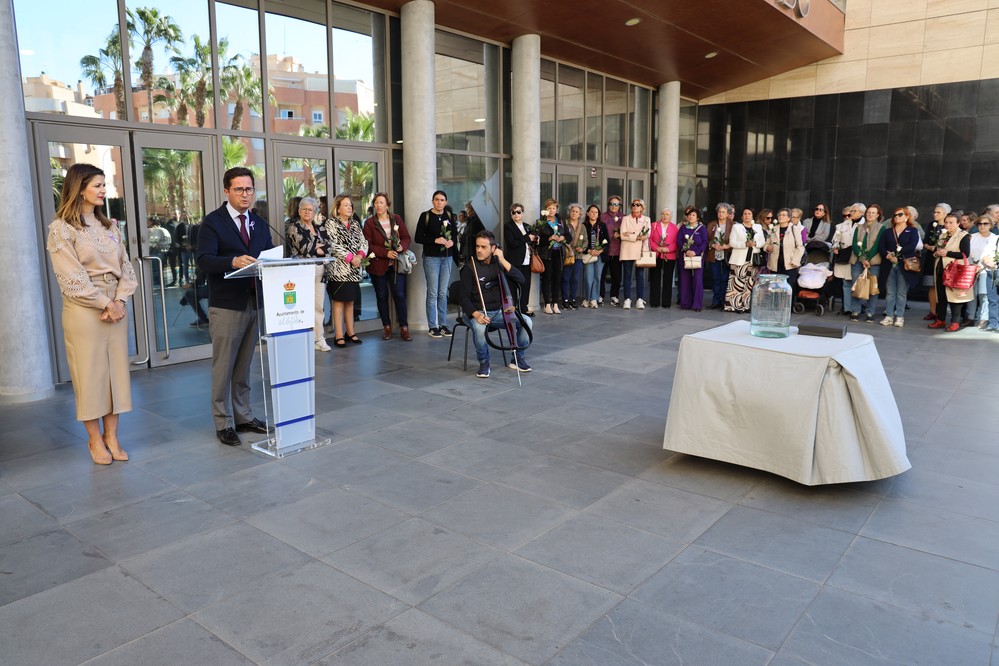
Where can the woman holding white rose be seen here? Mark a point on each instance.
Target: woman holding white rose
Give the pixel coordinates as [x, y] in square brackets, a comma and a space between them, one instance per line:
[347, 243]
[747, 241]
[387, 238]
[634, 232]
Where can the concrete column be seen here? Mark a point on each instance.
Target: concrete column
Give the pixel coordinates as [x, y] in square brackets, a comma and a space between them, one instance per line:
[526, 145]
[25, 360]
[419, 131]
[668, 148]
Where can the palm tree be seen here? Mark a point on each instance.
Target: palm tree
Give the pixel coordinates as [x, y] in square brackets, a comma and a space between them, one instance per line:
[104, 66]
[233, 152]
[238, 82]
[197, 70]
[176, 95]
[149, 27]
[357, 178]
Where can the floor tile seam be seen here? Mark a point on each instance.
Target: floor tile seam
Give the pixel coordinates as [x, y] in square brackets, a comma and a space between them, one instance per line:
[478, 639]
[627, 595]
[734, 502]
[936, 507]
[930, 553]
[708, 629]
[936, 446]
[118, 562]
[477, 540]
[91, 660]
[917, 614]
[810, 523]
[123, 564]
[587, 629]
[769, 567]
[501, 482]
[214, 635]
[956, 480]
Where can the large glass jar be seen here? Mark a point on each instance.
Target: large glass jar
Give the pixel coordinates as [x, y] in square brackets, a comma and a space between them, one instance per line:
[771, 307]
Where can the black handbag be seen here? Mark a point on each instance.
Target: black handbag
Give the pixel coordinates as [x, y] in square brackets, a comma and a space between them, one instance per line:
[843, 256]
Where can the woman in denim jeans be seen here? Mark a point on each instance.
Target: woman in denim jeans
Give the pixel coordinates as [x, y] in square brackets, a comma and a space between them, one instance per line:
[898, 243]
[435, 231]
[988, 261]
[597, 241]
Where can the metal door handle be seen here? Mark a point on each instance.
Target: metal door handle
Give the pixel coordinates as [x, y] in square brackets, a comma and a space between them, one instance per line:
[166, 329]
[142, 290]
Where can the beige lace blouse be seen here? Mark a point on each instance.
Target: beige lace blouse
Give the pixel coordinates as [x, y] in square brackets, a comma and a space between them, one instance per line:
[81, 258]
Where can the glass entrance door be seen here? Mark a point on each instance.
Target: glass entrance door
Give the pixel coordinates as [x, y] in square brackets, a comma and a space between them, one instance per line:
[171, 204]
[57, 147]
[360, 173]
[156, 193]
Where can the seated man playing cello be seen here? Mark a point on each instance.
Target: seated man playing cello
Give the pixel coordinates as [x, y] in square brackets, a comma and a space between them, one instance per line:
[487, 300]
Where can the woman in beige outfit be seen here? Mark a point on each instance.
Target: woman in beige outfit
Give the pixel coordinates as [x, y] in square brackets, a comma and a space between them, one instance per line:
[96, 279]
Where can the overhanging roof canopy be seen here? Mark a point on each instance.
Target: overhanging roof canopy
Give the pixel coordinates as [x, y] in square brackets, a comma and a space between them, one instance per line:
[754, 39]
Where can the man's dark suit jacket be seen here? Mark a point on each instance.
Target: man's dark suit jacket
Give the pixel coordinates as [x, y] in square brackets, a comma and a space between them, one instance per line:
[219, 243]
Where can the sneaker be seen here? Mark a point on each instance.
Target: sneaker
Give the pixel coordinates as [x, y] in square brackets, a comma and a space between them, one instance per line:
[614, 300]
[600, 301]
[322, 346]
[483, 370]
[953, 327]
[887, 321]
[446, 332]
[870, 318]
[520, 364]
[937, 324]
[854, 317]
[435, 333]
[627, 304]
[640, 305]
[899, 322]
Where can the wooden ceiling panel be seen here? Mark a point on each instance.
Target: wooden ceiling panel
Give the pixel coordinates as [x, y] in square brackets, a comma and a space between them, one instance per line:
[754, 39]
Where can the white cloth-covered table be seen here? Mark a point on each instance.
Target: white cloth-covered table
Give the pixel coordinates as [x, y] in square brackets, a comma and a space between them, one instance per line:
[815, 410]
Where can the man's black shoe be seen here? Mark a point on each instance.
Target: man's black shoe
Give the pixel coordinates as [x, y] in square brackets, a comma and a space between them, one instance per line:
[256, 425]
[228, 437]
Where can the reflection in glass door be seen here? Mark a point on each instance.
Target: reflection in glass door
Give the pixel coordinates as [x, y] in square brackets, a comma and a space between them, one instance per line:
[568, 187]
[172, 205]
[615, 184]
[58, 148]
[359, 173]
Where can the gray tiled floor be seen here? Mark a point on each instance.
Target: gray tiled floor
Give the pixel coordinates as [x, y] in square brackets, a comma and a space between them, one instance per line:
[456, 520]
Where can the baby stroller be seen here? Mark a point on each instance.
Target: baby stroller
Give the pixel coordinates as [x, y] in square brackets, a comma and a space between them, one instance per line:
[814, 278]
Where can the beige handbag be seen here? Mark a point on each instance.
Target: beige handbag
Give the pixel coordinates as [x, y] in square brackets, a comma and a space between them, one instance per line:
[692, 263]
[647, 259]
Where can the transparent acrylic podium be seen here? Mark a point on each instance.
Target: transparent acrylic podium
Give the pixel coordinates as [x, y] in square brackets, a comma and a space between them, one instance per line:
[285, 326]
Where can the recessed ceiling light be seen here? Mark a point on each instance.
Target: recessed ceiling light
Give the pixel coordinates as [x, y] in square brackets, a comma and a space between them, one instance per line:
[632, 21]
[711, 55]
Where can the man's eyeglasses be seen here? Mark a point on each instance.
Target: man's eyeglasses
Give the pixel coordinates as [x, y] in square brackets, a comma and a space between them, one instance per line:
[518, 212]
[242, 190]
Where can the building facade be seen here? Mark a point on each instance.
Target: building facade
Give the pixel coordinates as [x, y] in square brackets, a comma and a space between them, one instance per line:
[491, 104]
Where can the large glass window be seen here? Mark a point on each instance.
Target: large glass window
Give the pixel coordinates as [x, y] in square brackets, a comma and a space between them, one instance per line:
[239, 63]
[472, 179]
[359, 104]
[571, 122]
[171, 53]
[594, 116]
[639, 142]
[464, 118]
[71, 60]
[298, 69]
[615, 121]
[243, 151]
[547, 110]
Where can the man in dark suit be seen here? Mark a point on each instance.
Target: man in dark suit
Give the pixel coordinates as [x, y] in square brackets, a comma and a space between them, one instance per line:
[231, 238]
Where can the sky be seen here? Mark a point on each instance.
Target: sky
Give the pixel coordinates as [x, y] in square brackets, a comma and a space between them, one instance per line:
[82, 27]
